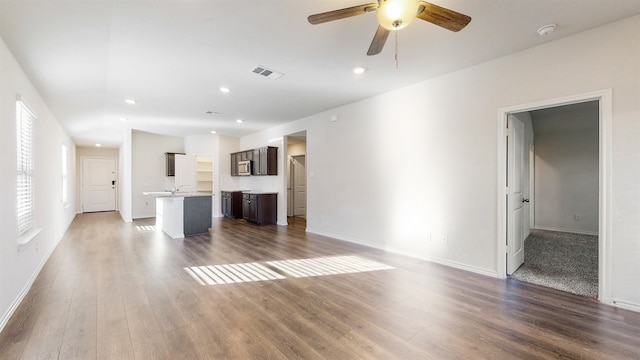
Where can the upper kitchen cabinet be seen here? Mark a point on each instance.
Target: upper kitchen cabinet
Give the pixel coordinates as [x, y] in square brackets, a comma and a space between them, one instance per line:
[171, 163]
[235, 157]
[247, 155]
[204, 173]
[265, 160]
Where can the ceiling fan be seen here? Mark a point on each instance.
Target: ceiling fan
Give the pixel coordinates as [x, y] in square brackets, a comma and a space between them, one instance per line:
[395, 15]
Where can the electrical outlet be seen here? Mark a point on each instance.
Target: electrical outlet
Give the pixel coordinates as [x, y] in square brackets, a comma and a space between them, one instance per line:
[445, 239]
[578, 217]
[428, 237]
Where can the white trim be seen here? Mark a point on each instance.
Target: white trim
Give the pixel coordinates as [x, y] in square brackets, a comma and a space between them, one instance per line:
[604, 97]
[29, 235]
[627, 305]
[444, 262]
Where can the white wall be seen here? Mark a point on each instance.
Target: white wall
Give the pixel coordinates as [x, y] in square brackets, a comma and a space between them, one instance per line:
[125, 176]
[226, 146]
[19, 265]
[421, 162]
[85, 151]
[148, 169]
[296, 148]
[200, 144]
[566, 169]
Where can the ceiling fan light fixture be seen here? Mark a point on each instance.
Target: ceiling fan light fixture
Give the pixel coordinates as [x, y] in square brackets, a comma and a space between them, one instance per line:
[396, 14]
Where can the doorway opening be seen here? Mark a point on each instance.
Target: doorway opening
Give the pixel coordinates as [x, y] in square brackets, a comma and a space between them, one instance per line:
[296, 178]
[533, 195]
[559, 206]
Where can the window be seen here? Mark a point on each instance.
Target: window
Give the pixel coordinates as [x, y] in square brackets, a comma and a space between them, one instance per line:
[24, 183]
[65, 175]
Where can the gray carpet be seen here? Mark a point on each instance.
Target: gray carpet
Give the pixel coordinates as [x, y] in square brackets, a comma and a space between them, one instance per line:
[563, 261]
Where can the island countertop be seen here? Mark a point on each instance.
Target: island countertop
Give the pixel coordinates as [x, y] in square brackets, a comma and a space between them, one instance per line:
[178, 194]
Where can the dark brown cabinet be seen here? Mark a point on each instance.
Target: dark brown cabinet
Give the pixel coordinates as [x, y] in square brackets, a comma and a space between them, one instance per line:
[231, 204]
[234, 164]
[171, 163]
[260, 208]
[244, 155]
[264, 161]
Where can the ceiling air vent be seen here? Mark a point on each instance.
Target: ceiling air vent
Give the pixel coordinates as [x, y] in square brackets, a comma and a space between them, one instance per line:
[266, 72]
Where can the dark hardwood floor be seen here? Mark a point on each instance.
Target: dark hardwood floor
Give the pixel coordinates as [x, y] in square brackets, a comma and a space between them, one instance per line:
[113, 290]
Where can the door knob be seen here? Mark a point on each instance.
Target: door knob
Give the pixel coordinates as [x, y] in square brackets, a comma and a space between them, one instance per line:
[525, 200]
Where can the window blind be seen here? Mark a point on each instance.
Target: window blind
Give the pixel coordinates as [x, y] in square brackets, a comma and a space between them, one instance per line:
[24, 183]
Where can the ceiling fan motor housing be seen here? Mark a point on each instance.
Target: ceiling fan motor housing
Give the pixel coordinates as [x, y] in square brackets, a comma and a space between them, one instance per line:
[396, 14]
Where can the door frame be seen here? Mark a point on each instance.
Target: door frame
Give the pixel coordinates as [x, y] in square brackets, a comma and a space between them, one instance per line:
[81, 182]
[283, 206]
[604, 98]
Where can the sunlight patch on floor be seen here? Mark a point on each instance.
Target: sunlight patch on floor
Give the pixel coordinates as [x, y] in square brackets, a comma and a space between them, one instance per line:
[297, 268]
[142, 228]
[332, 265]
[231, 273]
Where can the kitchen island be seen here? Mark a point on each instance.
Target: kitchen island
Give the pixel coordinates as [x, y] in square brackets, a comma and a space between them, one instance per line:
[183, 214]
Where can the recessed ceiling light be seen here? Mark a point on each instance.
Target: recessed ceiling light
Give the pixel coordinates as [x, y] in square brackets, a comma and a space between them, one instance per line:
[213, 131]
[359, 70]
[130, 101]
[123, 119]
[546, 30]
[225, 89]
[98, 145]
[239, 121]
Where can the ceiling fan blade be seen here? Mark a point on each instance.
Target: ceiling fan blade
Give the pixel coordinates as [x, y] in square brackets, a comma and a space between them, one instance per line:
[378, 41]
[442, 17]
[341, 13]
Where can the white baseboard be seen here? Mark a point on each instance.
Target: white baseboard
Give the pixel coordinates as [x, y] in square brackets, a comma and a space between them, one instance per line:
[627, 305]
[25, 290]
[565, 230]
[465, 267]
[449, 263]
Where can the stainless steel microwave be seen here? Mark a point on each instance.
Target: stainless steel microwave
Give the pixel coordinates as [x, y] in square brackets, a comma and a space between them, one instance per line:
[244, 167]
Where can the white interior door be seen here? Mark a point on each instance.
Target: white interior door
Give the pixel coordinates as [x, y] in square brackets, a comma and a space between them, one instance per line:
[98, 184]
[185, 176]
[299, 185]
[515, 195]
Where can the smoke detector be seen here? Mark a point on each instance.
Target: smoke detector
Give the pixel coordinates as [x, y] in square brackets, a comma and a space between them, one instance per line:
[266, 72]
[546, 30]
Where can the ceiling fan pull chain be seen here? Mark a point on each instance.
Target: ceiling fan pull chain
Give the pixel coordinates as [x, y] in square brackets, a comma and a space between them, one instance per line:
[396, 32]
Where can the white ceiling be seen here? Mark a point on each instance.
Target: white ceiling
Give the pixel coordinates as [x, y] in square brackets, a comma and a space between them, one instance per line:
[86, 56]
